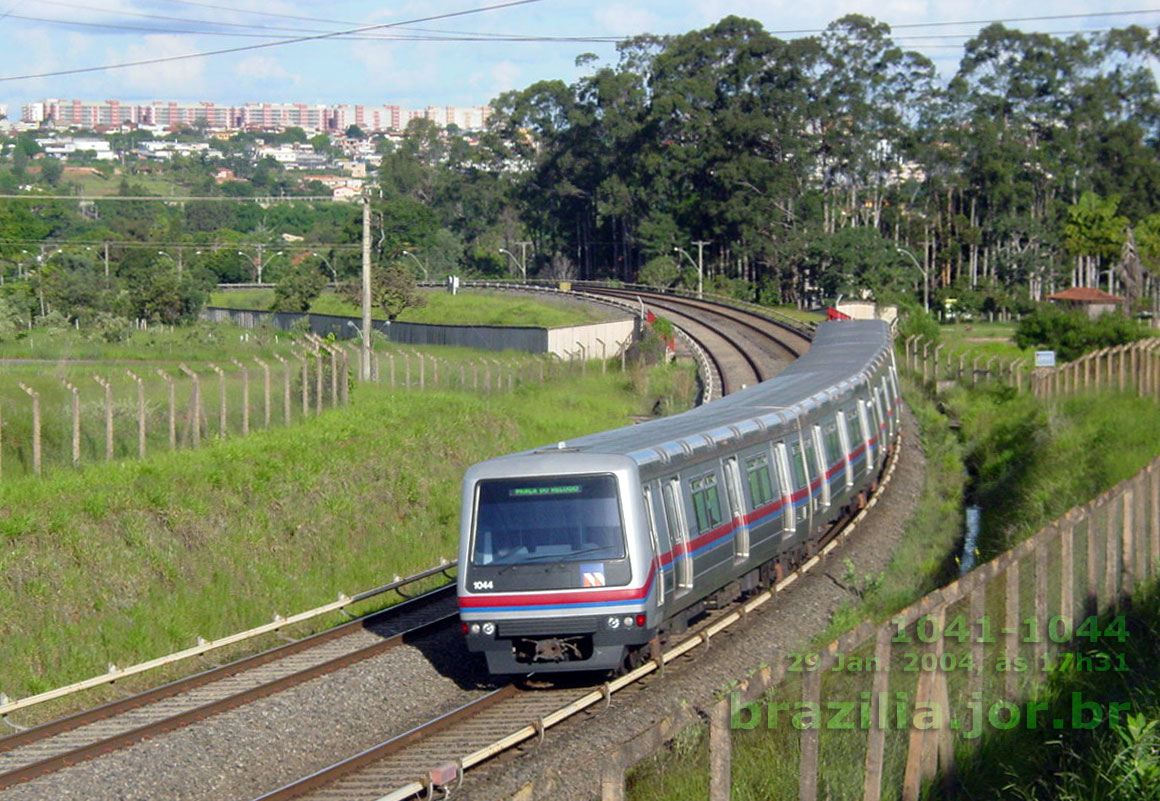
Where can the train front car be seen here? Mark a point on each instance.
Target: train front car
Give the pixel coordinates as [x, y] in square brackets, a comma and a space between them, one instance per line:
[554, 572]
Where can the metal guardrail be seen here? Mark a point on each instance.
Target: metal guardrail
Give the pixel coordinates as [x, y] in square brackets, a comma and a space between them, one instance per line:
[115, 673]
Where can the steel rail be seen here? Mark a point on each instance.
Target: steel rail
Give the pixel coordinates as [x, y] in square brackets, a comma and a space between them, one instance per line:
[425, 785]
[168, 723]
[205, 646]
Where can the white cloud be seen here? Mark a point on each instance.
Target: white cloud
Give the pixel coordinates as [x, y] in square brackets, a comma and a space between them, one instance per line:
[266, 69]
[182, 78]
[625, 20]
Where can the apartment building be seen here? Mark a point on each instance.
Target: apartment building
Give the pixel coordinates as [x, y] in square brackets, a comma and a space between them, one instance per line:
[260, 116]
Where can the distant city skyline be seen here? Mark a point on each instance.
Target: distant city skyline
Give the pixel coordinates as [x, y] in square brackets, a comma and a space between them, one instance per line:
[422, 64]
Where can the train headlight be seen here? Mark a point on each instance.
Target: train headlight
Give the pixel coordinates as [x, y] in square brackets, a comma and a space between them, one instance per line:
[489, 629]
[613, 622]
[628, 622]
[475, 628]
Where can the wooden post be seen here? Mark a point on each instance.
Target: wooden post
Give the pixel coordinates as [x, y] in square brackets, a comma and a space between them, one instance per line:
[1111, 556]
[32, 393]
[406, 370]
[1011, 625]
[720, 752]
[925, 362]
[193, 416]
[333, 376]
[1067, 569]
[172, 408]
[75, 409]
[305, 360]
[223, 425]
[1127, 544]
[140, 413]
[1092, 590]
[975, 371]
[344, 384]
[245, 397]
[108, 416]
[1040, 601]
[1154, 517]
[318, 381]
[266, 388]
[876, 743]
[808, 759]
[422, 370]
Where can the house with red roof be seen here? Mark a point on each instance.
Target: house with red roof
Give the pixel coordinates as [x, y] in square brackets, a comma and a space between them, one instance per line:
[1094, 301]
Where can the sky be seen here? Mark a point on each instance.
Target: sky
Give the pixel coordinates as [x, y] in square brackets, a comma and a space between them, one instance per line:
[414, 64]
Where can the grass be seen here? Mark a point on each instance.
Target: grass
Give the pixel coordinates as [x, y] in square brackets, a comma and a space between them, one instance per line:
[124, 561]
[984, 339]
[1032, 461]
[100, 185]
[468, 307]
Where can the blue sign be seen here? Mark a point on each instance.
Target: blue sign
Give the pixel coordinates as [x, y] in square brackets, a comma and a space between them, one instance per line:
[1045, 358]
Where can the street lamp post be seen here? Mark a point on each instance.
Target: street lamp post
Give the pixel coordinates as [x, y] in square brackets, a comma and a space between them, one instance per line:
[925, 277]
[329, 266]
[422, 266]
[521, 265]
[176, 261]
[259, 263]
[699, 263]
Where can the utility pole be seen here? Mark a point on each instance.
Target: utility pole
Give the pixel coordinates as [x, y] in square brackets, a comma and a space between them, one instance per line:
[365, 362]
[700, 243]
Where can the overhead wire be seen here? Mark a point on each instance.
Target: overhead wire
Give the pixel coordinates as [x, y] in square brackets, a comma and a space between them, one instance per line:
[276, 43]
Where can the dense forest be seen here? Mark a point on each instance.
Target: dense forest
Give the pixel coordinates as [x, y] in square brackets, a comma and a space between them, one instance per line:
[832, 164]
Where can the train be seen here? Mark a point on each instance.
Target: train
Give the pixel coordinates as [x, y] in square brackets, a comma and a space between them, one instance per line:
[588, 554]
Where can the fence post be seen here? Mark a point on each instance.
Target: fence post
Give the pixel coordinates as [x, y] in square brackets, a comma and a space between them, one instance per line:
[140, 413]
[108, 416]
[720, 752]
[285, 387]
[1041, 598]
[193, 415]
[1067, 568]
[1154, 515]
[876, 744]
[333, 375]
[265, 389]
[32, 393]
[344, 385]
[808, 759]
[422, 370]
[1127, 545]
[1111, 556]
[304, 358]
[75, 409]
[222, 410]
[406, 370]
[172, 408]
[245, 397]
[1011, 626]
[317, 380]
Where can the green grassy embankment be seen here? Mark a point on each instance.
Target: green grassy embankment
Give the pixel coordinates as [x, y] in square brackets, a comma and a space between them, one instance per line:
[1032, 461]
[126, 561]
[468, 307]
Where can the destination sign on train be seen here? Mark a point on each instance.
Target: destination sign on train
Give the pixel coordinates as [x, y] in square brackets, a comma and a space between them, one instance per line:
[523, 492]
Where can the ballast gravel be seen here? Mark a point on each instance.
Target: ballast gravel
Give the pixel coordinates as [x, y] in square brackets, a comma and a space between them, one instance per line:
[249, 751]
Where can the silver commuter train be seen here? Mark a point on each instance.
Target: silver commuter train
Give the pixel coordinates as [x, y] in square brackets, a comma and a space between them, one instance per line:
[577, 557]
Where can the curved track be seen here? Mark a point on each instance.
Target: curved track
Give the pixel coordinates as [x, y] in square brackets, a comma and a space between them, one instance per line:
[744, 348]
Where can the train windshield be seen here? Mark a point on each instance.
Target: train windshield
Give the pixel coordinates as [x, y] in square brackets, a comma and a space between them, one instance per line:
[519, 521]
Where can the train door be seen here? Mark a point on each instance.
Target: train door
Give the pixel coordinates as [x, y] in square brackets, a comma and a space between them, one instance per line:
[814, 474]
[844, 439]
[882, 429]
[789, 513]
[737, 508]
[857, 441]
[868, 431]
[820, 450]
[679, 534]
[654, 540]
[801, 484]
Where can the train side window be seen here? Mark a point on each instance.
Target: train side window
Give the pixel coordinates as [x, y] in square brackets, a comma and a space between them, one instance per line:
[760, 483]
[833, 445]
[706, 502]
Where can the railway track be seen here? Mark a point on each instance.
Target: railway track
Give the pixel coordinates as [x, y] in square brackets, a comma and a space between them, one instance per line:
[434, 757]
[56, 745]
[474, 731]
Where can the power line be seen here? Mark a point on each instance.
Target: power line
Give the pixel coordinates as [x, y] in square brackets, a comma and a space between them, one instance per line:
[278, 43]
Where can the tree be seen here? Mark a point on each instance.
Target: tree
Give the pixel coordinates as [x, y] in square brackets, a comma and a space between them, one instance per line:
[355, 132]
[393, 290]
[298, 288]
